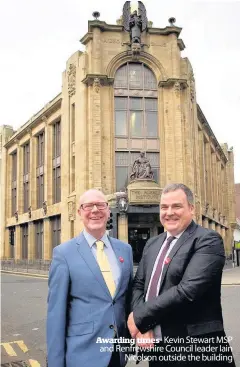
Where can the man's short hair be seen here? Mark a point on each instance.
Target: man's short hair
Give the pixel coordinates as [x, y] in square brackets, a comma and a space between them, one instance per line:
[179, 186]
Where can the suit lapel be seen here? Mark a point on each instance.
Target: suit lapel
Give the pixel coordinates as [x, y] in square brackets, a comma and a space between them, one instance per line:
[176, 247]
[154, 253]
[86, 253]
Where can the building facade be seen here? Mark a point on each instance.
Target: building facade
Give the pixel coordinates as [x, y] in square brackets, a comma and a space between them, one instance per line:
[114, 103]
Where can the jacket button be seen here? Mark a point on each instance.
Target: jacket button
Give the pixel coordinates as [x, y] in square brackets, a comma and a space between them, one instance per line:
[113, 302]
[111, 326]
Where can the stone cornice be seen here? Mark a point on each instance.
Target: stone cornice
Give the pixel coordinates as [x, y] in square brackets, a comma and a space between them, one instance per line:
[181, 44]
[165, 31]
[103, 26]
[171, 81]
[210, 133]
[46, 111]
[104, 79]
[88, 37]
[99, 24]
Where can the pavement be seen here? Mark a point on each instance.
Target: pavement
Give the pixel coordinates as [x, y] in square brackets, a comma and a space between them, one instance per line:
[23, 316]
[231, 276]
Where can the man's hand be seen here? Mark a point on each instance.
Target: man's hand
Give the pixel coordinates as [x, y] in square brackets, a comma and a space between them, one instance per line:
[145, 340]
[132, 326]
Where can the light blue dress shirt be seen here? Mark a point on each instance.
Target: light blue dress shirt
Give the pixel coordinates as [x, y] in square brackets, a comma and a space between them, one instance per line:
[108, 250]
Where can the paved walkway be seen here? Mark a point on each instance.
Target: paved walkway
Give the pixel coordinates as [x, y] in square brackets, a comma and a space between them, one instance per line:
[231, 276]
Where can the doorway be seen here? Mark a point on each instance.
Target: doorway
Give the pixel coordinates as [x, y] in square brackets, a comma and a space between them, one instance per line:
[137, 238]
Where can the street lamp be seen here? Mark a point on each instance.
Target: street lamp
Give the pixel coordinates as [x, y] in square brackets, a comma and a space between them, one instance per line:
[122, 202]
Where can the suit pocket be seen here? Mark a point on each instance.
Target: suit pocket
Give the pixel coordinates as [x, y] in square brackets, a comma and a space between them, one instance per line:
[80, 329]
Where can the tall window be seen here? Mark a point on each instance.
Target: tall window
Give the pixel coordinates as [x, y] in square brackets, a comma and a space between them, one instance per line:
[24, 228]
[14, 183]
[136, 119]
[57, 162]
[39, 239]
[56, 230]
[40, 170]
[26, 170]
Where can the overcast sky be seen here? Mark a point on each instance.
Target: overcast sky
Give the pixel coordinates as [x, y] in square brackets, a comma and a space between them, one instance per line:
[37, 37]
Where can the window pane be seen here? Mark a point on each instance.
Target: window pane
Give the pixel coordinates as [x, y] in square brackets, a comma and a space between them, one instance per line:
[121, 177]
[121, 158]
[153, 159]
[152, 124]
[151, 104]
[136, 123]
[135, 103]
[135, 76]
[121, 123]
[121, 77]
[120, 103]
[150, 81]
[155, 174]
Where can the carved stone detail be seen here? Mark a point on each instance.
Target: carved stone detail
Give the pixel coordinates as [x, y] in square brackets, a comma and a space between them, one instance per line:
[44, 207]
[136, 48]
[72, 209]
[177, 88]
[16, 215]
[96, 85]
[71, 80]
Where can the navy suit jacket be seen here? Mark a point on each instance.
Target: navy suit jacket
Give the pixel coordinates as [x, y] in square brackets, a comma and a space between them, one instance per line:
[189, 300]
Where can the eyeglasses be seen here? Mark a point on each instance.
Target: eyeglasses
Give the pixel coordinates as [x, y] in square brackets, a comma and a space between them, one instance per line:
[89, 206]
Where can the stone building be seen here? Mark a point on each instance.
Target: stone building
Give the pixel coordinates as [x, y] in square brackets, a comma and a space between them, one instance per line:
[118, 98]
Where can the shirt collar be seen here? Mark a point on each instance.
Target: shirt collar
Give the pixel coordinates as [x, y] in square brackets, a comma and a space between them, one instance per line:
[91, 240]
[177, 235]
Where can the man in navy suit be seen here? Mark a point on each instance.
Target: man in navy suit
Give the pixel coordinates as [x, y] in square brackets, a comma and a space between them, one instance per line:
[89, 286]
[177, 289]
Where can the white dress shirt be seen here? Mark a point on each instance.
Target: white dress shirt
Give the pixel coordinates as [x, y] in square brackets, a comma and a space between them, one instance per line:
[157, 329]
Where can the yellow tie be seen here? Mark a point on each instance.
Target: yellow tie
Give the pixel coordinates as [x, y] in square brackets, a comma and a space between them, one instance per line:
[105, 267]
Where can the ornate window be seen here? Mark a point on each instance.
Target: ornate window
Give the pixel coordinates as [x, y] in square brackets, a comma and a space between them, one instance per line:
[136, 119]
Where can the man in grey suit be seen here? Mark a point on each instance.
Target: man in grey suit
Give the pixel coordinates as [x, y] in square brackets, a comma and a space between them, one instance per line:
[177, 289]
[89, 286]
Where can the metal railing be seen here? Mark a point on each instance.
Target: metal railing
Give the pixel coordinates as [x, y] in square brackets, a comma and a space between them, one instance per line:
[32, 266]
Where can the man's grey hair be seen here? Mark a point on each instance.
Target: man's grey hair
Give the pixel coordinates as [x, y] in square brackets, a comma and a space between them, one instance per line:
[179, 186]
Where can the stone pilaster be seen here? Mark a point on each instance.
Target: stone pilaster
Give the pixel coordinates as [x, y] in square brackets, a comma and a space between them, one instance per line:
[48, 164]
[201, 167]
[20, 180]
[7, 247]
[18, 243]
[33, 174]
[123, 228]
[47, 239]
[214, 180]
[209, 173]
[96, 51]
[218, 229]
[213, 225]
[223, 233]
[96, 135]
[188, 143]
[178, 132]
[205, 223]
[31, 241]
[219, 183]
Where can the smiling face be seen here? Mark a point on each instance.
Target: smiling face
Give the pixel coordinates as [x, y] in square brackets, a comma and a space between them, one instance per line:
[94, 219]
[175, 211]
